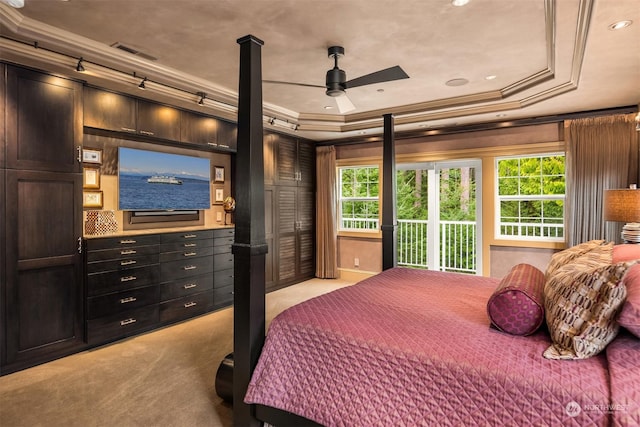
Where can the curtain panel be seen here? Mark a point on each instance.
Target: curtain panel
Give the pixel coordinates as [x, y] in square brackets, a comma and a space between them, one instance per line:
[326, 214]
[601, 154]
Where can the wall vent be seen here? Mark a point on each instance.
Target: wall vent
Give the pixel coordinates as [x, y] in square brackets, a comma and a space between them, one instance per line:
[133, 51]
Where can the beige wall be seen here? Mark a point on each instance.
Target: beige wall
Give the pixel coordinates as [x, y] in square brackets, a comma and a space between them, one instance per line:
[498, 255]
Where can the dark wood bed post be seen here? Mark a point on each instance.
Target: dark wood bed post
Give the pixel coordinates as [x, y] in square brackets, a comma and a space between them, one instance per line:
[389, 220]
[250, 246]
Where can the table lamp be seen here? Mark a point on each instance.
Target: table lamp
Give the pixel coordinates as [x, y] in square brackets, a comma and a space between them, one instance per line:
[624, 206]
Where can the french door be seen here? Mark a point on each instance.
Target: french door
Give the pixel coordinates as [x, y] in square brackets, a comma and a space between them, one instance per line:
[439, 215]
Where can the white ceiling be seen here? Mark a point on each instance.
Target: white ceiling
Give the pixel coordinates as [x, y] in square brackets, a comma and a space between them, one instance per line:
[549, 57]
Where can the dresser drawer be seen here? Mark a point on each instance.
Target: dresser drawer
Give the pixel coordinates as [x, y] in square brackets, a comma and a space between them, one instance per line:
[224, 241]
[122, 242]
[223, 278]
[189, 306]
[189, 245]
[186, 236]
[185, 254]
[226, 249]
[222, 261]
[121, 253]
[123, 324]
[183, 287]
[122, 264]
[115, 281]
[223, 296]
[222, 233]
[119, 302]
[185, 268]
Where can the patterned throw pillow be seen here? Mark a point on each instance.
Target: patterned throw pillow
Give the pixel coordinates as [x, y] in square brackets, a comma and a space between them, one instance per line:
[516, 306]
[582, 300]
[562, 258]
[630, 314]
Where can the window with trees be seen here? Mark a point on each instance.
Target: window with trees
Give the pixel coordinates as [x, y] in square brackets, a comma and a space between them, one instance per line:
[530, 196]
[359, 198]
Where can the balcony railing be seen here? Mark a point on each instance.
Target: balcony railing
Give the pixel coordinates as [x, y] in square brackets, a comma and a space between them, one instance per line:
[457, 245]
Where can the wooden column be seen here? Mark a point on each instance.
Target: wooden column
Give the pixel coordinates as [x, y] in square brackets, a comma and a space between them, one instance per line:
[389, 220]
[250, 246]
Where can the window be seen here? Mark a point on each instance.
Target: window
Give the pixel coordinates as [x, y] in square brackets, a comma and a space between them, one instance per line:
[358, 198]
[530, 198]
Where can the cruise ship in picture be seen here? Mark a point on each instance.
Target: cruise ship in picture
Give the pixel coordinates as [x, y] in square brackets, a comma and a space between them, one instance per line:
[164, 179]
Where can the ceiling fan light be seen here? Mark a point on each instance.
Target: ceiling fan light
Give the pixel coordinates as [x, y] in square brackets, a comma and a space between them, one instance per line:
[13, 3]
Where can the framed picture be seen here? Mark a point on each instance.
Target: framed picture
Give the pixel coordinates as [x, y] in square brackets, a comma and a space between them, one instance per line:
[91, 178]
[219, 196]
[92, 155]
[92, 199]
[218, 174]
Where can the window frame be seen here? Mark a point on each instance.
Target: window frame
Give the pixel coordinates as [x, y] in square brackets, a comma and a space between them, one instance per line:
[527, 197]
[339, 199]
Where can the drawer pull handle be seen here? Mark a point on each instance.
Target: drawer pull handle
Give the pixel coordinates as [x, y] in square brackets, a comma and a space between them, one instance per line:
[190, 236]
[146, 132]
[189, 267]
[127, 242]
[128, 262]
[190, 304]
[129, 252]
[126, 300]
[190, 245]
[127, 322]
[190, 286]
[128, 278]
[128, 129]
[190, 253]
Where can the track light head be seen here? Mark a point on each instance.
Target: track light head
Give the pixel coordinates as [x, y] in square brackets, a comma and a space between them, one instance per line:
[80, 67]
[202, 96]
[272, 120]
[142, 85]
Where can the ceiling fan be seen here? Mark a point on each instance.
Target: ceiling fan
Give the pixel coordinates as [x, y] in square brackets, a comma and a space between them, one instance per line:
[337, 83]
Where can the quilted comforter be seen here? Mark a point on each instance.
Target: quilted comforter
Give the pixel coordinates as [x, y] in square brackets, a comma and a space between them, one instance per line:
[415, 348]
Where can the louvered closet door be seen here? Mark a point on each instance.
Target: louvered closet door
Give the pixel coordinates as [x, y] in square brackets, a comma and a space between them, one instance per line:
[306, 233]
[286, 220]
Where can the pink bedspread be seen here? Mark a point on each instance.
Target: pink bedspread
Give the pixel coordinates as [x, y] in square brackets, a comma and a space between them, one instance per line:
[412, 347]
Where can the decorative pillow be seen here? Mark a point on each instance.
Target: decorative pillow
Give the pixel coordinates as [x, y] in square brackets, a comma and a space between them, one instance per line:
[626, 252]
[516, 306]
[630, 314]
[559, 259]
[582, 301]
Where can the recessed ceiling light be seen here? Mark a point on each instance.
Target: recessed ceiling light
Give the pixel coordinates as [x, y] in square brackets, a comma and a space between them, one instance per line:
[620, 25]
[457, 82]
[490, 77]
[380, 90]
[328, 107]
[501, 115]
[459, 2]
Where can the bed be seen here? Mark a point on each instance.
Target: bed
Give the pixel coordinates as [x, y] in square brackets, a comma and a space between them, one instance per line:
[411, 347]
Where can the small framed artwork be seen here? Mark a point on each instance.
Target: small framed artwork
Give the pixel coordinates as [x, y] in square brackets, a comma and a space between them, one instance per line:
[92, 199]
[92, 155]
[219, 196]
[218, 174]
[91, 178]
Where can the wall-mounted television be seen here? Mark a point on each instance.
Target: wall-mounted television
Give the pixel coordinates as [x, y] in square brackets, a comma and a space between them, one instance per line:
[156, 181]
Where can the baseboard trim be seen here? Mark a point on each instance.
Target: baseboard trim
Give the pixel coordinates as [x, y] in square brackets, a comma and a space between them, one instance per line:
[354, 275]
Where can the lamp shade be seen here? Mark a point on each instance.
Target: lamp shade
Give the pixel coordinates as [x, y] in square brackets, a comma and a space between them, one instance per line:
[622, 205]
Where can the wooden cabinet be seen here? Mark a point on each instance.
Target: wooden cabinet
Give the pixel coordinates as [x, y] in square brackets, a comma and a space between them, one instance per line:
[208, 131]
[158, 121]
[109, 110]
[41, 215]
[290, 210]
[122, 287]
[44, 121]
[223, 267]
[227, 136]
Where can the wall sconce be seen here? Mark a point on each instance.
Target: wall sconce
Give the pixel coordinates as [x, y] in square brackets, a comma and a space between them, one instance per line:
[624, 206]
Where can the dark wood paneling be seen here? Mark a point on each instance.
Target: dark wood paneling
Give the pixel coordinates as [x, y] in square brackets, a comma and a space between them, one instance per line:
[108, 110]
[44, 121]
[159, 121]
[198, 129]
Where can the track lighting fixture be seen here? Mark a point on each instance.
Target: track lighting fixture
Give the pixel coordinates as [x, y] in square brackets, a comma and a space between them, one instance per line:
[272, 121]
[80, 67]
[202, 96]
[142, 85]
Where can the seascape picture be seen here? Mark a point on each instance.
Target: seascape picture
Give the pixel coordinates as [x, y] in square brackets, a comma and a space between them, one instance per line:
[151, 180]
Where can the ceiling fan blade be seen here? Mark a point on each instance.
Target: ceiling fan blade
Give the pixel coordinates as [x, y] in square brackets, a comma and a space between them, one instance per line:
[344, 104]
[386, 75]
[292, 83]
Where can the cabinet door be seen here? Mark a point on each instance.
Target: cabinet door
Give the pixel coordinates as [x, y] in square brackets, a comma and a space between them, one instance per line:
[44, 123]
[198, 129]
[269, 147]
[158, 120]
[108, 110]
[286, 238]
[269, 194]
[227, 135]
[305, 217]
[286, 152]
[44, 293]
[306, 164]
